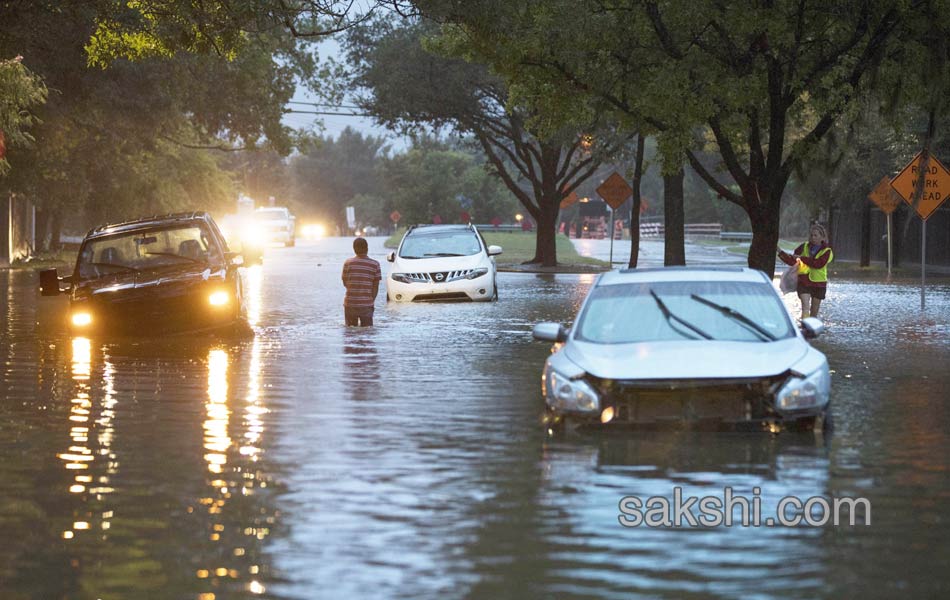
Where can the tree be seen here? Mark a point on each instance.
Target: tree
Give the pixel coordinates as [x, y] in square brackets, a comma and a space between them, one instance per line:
[436, 178]
[20, 91]
[329, 173]
[766, 81]
[409, 87]
[137, 137]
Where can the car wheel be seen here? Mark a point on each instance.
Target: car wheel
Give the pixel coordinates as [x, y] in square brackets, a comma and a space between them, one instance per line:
[494, 296]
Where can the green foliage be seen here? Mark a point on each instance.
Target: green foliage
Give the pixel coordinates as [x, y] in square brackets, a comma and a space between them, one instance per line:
[329, 173]
[432, 178]
[141, 29]
[20, 91]
[145, 136]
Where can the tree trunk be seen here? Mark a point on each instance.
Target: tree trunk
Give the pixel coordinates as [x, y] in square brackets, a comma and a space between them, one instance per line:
[637, 201]
[545, 242]
[865, 235]
[674, 250]
[42, 225]
[765, 233]
[56, 229]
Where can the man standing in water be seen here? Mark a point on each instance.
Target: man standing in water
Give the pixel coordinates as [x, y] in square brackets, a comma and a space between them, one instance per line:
[361, 276]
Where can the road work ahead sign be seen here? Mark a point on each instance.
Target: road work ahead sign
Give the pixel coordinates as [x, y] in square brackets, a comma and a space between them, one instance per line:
[614, 191]
[936, 185]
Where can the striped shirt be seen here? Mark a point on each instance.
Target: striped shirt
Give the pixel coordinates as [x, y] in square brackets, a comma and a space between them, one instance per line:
[361, 274]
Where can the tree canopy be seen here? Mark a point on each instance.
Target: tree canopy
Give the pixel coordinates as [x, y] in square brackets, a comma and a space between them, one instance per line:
[761, 82]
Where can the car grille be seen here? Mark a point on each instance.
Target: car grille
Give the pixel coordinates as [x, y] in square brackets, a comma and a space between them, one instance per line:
[440, 276]
[652, 402]
[449, 296]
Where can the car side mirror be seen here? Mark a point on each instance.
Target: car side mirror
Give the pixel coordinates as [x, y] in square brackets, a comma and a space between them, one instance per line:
[49, 283]
[235, 259]
[391, 257]
[812, 327]
[550, 332]
[494, 250]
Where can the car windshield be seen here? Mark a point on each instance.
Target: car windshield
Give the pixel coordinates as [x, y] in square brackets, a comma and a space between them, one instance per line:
[628, 313]
[277, 214]
[448, 243]
[147, 249]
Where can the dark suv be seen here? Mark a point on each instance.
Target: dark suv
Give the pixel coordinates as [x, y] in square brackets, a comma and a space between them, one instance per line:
[154, 275]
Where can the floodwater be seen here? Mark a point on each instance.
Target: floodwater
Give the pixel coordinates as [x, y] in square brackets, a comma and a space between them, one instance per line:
[407, 460]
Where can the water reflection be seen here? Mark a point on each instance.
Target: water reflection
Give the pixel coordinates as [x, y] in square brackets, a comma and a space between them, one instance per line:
[233, 453]
[92, 468]
[583, 481]
[361, 369]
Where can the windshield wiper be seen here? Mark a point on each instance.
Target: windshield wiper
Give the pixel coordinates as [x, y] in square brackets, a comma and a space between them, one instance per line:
[670, 317]
[195, 260]
[116, 265]
[738, 317]
[443, 254]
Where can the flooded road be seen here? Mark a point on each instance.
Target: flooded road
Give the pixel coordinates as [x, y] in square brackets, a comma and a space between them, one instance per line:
[315, 461]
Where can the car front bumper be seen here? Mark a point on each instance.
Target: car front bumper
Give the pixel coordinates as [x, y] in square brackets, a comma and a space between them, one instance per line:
[699, 405]
[478, 289]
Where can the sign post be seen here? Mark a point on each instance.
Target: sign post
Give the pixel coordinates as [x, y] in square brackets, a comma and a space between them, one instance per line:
[887, 200]
[923, 184]
[615, 191]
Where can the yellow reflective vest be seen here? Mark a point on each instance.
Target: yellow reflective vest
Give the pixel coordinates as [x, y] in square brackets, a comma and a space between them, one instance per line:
[816, 275]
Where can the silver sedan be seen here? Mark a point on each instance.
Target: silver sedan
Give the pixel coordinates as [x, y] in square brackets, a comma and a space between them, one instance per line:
[685, 347]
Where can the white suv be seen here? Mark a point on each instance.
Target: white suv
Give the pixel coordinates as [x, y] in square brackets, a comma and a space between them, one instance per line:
[277, 225]
[442, 262]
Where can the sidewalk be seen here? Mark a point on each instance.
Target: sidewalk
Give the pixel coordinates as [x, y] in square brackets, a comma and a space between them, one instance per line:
[651, 253]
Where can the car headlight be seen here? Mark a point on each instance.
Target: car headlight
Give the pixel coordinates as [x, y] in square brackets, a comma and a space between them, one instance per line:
[219, 298]
[401, 277]
[476, 273]
[563, 393]
[805, 392]
[251, 235]
[81, 318]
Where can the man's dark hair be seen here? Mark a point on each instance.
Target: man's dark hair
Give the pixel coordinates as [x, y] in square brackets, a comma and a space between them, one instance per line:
[360, 246]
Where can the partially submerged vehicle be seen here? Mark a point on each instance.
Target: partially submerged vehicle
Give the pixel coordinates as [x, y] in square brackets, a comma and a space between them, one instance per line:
[444, 263]
[702, 348]
[155, 275]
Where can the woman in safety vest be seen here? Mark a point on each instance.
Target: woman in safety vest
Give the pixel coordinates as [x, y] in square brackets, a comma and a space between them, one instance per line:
[812, 258]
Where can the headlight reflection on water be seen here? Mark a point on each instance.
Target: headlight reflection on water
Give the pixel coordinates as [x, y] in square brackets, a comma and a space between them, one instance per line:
[86, 426]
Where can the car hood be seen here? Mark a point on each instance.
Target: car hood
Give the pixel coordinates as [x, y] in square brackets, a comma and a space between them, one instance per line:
[686, 359]
[123, 284]
[441, 263]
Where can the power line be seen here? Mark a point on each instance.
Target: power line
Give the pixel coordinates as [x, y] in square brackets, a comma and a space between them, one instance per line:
[321, 112]
[318, 104]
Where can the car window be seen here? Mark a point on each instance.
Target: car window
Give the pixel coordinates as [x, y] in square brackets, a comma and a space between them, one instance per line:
[147, 249]
[450, 243]
[628, 313]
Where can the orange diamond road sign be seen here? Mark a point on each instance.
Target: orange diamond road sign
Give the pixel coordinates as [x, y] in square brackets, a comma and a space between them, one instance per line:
[569, 200]
[395, 216]
[614, 191]
[885, 197]
[935, 182]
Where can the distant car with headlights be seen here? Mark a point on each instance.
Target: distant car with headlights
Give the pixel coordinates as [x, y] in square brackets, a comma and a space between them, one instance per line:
[442, 262]
[706, 348]
[276, 225]
[153, 276]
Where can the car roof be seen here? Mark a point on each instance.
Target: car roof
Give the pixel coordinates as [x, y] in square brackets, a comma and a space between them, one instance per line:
[147, 223]
[686, 273]
[426, 229]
